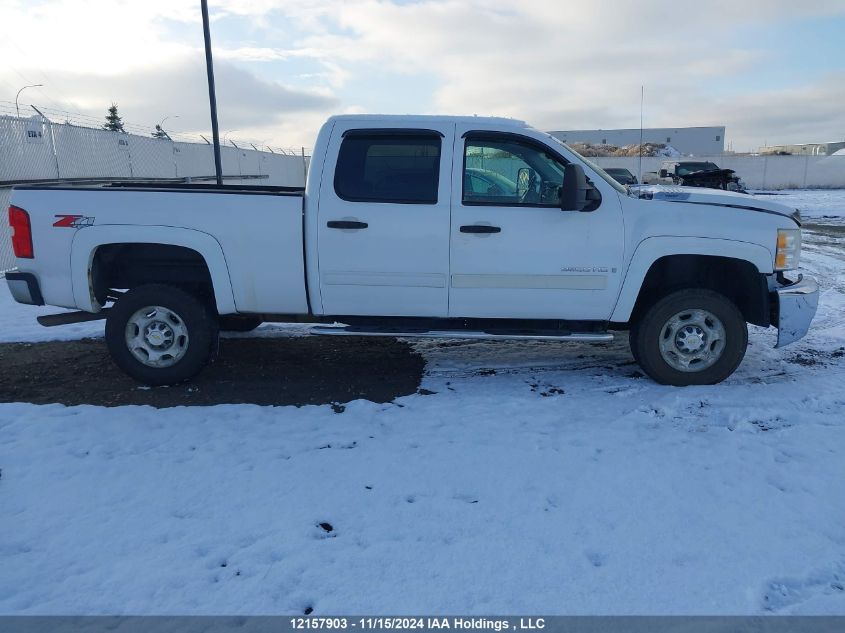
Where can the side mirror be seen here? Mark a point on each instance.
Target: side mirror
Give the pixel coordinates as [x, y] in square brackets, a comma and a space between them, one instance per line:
[575, 189]
[524, 178]
[664, 173]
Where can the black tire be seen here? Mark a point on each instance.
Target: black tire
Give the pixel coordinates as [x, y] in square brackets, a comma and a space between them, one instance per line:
[238, 323]
[187, 314]
[654, 328]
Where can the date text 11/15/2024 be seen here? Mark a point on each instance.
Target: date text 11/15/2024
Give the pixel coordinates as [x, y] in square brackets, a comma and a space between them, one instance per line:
[418, 623]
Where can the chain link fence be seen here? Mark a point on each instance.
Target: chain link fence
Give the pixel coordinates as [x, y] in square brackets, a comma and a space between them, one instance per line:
[7, 257]
[757, 172]
[37, 149]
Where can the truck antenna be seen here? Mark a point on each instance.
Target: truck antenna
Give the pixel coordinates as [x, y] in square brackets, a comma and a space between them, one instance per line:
[212, 98]
[642, 99]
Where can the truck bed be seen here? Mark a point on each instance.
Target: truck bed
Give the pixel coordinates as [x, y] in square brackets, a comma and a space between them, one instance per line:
[251, 238]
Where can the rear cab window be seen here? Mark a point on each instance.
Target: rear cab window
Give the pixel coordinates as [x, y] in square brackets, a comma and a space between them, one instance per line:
[389, 166]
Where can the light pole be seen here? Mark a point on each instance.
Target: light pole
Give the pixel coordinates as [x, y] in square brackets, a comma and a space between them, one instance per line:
[160, 126]
[17, 109]
[212, 98]
[172, 116]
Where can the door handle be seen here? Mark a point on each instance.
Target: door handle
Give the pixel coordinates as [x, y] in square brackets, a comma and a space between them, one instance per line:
[480, 228]
[346, 224]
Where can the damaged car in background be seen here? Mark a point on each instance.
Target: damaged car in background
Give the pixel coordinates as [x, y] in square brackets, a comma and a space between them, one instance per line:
[688, 173]
[621, 175]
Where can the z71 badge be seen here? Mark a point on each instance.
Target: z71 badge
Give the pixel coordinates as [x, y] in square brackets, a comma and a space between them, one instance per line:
[73, 221]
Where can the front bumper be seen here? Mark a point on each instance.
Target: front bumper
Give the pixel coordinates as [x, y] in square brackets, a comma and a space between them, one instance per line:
[796, 307]
[24, 288]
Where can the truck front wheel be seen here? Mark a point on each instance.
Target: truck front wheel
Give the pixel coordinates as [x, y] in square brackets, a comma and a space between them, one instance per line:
[690, 337]
[160, 335]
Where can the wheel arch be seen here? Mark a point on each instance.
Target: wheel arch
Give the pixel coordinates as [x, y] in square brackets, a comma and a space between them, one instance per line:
[663, 264]
[87, 241]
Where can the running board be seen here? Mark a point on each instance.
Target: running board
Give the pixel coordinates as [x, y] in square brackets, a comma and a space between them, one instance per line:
[583, 337]
[65, 318]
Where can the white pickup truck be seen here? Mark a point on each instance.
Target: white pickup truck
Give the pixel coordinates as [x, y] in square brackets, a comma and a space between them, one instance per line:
[416, 226]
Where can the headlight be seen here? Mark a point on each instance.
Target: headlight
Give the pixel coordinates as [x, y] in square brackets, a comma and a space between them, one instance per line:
[788, 249]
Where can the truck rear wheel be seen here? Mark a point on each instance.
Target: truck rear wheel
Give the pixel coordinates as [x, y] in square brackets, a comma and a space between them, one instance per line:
[160, 335]
[690, 337]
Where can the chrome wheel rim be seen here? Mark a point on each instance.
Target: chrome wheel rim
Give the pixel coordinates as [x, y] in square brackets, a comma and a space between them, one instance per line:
[157, 336]
[692, 340]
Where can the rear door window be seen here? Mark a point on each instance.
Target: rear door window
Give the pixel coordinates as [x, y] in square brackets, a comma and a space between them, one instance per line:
[373, 166]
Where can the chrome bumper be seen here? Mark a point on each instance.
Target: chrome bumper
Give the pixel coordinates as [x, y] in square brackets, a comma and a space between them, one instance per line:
[796, 307]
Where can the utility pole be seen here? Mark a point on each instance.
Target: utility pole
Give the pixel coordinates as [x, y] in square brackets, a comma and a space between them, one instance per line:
[640, 167]
[212, 98]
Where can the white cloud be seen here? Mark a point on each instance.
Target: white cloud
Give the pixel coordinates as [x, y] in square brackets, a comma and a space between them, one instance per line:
[568, 65]
[253, 54]
[556, 64]
[808, 113]
[88, 56]
[250, 105]
[106, 37]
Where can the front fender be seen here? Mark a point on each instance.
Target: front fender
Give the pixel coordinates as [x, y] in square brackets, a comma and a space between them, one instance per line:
[653, 248]
[86, 241]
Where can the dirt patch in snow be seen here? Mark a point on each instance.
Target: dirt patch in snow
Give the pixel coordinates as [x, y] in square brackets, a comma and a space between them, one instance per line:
[829, 230]
[263, 371]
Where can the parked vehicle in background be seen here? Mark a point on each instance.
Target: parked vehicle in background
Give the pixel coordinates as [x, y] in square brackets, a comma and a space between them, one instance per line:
[485, 182]
[622, 175]
[691, 173]
[412, 226]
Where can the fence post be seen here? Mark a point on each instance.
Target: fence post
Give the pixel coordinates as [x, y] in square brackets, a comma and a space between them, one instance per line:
[53, 148]
[304, 168]
[765, 167]
[129, 155]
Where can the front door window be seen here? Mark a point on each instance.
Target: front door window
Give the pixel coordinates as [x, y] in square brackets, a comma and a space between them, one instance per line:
[505, 172]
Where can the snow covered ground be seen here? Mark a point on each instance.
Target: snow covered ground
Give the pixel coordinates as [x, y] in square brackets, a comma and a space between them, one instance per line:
[814, 203]
[545, 478]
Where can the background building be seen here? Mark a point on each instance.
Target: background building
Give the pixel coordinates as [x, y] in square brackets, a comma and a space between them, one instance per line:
[697, 141]
[804, 149]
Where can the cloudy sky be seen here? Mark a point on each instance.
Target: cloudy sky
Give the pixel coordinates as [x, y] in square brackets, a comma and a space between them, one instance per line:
[770, 70]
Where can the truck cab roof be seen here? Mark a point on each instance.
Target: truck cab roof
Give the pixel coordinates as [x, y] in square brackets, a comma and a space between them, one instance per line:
[399, 119]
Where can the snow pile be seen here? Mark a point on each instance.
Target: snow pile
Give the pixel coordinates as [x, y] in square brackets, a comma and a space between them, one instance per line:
[18, 322]
[648, 149]
[669, 152]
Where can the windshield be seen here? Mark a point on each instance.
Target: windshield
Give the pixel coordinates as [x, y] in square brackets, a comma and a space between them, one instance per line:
[684, 169]
[601, 172]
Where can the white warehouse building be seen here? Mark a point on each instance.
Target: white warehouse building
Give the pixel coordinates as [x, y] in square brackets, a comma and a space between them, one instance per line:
[695, 141]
